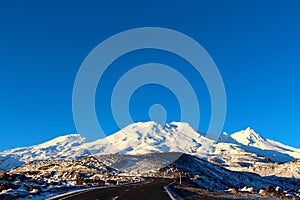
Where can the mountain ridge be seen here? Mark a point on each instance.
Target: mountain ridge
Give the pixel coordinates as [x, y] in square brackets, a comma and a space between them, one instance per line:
[238, 150]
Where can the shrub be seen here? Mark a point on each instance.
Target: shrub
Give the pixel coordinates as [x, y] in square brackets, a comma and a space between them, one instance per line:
[234, 191]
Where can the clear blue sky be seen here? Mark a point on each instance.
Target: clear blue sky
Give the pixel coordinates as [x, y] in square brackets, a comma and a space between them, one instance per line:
[255, 45]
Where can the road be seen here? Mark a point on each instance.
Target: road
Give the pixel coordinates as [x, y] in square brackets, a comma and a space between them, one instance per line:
[153, 190]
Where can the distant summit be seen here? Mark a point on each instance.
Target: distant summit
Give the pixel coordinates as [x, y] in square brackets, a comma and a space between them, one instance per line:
[250, 138]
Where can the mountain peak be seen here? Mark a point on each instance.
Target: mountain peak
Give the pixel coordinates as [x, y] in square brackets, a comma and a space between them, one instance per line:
[249, 129]
[248, 137]
[147, 137]
[71, 139]
[181, 125]
[143, 125]
[157, 127]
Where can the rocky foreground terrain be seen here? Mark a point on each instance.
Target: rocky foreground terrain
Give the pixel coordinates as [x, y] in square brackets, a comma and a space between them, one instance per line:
[50, 177]
[197, 176]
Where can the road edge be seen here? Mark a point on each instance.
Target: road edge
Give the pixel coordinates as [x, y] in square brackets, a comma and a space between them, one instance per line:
[171, 193]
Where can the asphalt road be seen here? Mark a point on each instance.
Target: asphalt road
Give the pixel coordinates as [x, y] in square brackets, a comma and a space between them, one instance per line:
[153, 190]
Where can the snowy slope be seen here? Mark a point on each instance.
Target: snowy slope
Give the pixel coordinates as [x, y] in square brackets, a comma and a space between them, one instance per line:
[288, 169]
[215, 178]
[60, 147]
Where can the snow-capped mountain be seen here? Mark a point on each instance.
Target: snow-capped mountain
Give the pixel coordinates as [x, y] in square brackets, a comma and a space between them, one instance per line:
[149, 137]
[251, 138]
[239, 151]
[60, 147]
